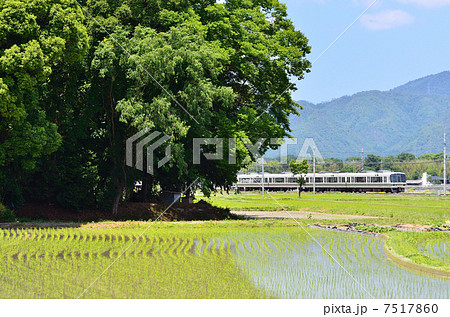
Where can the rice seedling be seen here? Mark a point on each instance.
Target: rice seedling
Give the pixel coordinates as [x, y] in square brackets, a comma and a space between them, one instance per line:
[206, 263]
[297, 274]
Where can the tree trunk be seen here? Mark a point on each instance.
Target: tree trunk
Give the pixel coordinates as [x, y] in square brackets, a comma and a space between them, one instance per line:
[119, 194]
[116, 203]
[144, 189]
[188, 194]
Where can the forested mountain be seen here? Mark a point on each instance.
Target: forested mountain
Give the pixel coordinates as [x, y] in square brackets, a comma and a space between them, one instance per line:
[409, 118]
[438, 84]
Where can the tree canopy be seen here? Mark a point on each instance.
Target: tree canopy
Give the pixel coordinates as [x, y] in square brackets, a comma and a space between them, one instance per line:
[98, 75]
[37, 38]
[299, 168]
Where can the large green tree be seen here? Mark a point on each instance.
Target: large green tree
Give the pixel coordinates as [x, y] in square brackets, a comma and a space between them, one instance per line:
[187, 68]
[190, 69]
[36, 38]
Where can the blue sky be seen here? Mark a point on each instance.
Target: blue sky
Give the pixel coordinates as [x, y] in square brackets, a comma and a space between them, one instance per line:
[394, 42]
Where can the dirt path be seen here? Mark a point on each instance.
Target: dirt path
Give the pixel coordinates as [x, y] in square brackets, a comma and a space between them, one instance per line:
[296, 215]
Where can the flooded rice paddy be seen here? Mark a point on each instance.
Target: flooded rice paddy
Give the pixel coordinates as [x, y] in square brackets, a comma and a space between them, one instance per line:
[438, 251]
[213, 263]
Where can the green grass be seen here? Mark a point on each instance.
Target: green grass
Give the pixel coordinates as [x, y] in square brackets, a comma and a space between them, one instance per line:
[433, 210]
[425, 248]
[374, 229]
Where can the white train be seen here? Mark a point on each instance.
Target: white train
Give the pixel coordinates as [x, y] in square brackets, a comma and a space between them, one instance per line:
[367, 181]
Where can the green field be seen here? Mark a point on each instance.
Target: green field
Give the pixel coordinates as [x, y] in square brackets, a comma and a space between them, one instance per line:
[62, 263]
[197, 261]
[259, 258]
[433, 210]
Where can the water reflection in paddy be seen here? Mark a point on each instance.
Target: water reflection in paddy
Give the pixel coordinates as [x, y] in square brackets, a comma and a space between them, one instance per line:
[290, 264]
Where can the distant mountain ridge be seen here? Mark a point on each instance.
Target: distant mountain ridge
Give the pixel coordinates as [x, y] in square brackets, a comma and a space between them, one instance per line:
[438, 84]
[409, 118]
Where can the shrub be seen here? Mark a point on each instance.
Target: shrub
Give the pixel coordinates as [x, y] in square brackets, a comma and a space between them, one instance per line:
[6, 215]
[373, 228]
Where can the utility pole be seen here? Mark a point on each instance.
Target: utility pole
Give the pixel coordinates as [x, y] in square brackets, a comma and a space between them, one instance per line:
[262, 178]
[362, 159]
[314, 170]
[445, 166]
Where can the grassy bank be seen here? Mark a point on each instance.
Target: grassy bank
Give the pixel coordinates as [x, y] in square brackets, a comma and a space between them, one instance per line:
[428, 249]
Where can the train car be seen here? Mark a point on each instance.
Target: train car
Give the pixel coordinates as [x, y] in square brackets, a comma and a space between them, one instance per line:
[367, 181]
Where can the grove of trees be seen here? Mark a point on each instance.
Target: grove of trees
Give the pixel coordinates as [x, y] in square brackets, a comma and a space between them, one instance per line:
[77, 80]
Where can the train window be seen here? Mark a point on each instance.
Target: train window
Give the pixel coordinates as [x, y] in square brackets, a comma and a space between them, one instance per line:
[398, 178]
[360, 179]
[348, 179]
[385, 179]
[278, 180]
[256, 180]
[245, 180]
[319, 179]
[376, 179]
[331, 179]
[292, 180]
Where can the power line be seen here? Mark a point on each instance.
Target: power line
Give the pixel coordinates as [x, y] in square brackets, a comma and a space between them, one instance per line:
[369, 163]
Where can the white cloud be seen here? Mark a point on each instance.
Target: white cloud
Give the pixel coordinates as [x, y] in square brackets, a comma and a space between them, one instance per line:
[364, 2]
[386, 19]
[427, 3]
